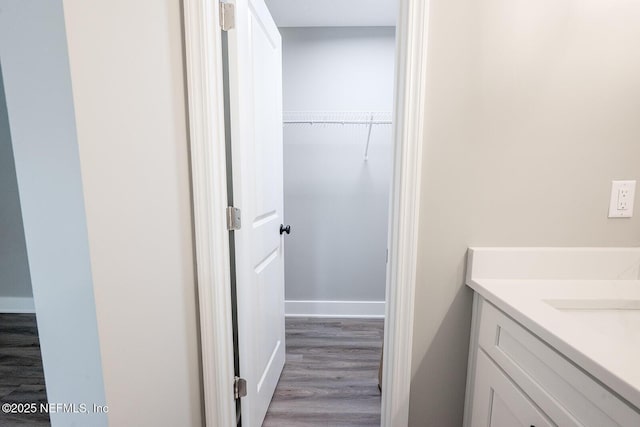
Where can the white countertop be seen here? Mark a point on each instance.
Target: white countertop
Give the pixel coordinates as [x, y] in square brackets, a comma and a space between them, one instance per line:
[593, 322]
[604, 343]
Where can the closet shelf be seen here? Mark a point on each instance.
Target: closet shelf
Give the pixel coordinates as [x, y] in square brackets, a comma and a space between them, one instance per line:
[368, 118]
[337, 117]
[340, 122]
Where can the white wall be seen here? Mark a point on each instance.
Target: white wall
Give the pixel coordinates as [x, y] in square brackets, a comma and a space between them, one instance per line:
[532, 110]
[128, 85]
[335, 202]
[33, 52]
[15, 283]
[334, 13]
[338, 68]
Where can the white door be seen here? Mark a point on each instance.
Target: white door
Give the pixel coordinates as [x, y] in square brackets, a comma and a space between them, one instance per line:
[255, 90]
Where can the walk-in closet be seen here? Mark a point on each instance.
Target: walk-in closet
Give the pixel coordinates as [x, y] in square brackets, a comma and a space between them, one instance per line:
[338, 153]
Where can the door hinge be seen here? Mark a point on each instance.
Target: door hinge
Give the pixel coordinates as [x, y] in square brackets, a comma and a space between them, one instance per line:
[233, 218]
[227, 16]
[239, 387]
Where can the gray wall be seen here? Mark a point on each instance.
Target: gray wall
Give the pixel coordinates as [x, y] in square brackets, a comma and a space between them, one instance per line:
[336, 203]
[14, 266]
[33, 52]
[113, 201]
[532, 110]
[127, 70]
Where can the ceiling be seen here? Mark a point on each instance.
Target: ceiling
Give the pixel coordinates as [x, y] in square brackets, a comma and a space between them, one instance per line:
[333, 13]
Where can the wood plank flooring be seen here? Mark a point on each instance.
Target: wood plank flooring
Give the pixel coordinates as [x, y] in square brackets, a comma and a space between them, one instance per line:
[331, 374]
[21, 374]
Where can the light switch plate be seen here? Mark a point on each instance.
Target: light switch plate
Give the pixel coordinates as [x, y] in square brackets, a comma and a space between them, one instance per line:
[622, 198]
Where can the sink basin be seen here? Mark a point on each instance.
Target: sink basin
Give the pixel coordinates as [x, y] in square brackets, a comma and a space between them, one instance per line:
[594, 304]
[614, 317]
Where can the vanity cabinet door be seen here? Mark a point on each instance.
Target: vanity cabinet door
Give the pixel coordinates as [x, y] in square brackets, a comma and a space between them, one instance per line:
[498, 402]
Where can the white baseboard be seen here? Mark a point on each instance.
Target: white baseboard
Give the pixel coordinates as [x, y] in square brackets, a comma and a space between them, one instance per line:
[363, 309]
[17, 305]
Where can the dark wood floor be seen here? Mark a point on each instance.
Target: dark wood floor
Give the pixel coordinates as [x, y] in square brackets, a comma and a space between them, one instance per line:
[21, 374]
[331, 374]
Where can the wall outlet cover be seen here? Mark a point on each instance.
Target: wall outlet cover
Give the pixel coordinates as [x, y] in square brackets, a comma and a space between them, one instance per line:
[622, 199]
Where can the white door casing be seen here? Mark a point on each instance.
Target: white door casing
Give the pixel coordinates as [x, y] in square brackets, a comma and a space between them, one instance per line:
[206, 131]
[255, 89]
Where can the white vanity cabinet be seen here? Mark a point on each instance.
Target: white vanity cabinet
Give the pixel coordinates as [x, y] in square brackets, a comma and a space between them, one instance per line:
[516, 379]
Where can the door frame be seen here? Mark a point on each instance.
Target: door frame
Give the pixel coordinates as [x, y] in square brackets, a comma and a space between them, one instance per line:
[203, 60]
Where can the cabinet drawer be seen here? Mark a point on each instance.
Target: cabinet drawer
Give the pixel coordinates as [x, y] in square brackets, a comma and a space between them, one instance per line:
[498, 402]
[563, 391]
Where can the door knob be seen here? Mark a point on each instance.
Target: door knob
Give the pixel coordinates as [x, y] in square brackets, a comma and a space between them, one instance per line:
[284, 229]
